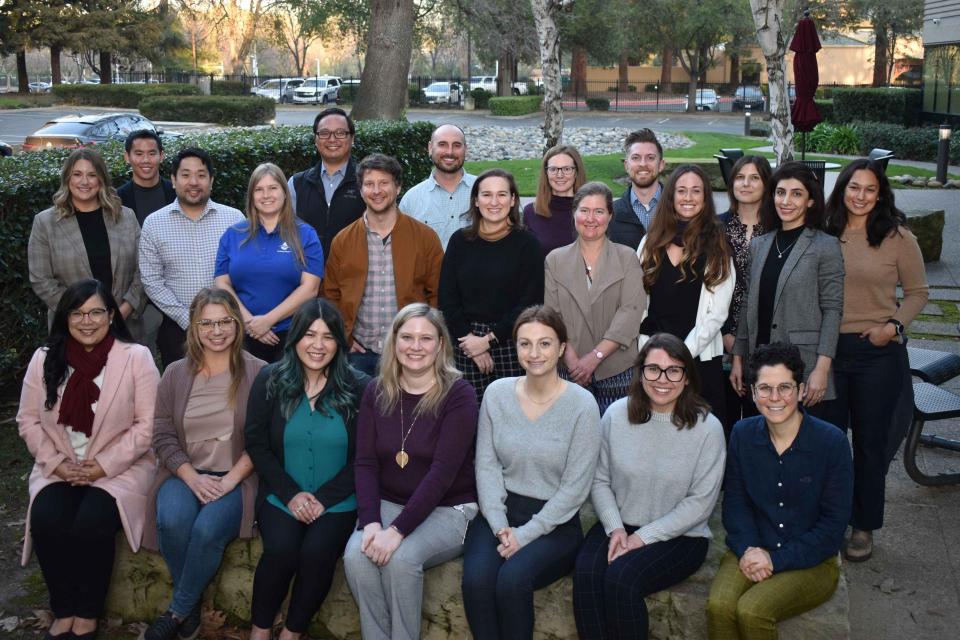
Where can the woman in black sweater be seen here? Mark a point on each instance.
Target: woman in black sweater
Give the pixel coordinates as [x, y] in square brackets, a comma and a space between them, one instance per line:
[491, 271]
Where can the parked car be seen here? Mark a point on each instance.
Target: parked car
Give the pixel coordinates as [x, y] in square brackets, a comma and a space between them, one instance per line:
[443, 93]
[707, 100]
[748, 97]
[318, 90]
[489, 83]
[5, 150]
[40, 87]
[77, 131]
[281, 89]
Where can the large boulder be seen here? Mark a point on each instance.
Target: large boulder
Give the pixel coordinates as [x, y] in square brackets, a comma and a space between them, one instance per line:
[927, 225]
[140, 590]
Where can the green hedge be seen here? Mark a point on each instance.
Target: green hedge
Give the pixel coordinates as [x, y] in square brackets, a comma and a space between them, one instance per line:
[127, 96]
[829, 138]
[515, 105]
[894, 106]
[914, 143]
[28, 181]
[481, 98]
[231, 110]
[598, 104]
[825, 107]
[229, 88]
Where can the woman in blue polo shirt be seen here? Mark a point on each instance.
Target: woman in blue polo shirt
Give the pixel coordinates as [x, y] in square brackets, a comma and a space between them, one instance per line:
[273, 263]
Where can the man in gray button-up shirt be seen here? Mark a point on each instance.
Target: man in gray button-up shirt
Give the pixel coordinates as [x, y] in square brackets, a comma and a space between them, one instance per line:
[441, 200]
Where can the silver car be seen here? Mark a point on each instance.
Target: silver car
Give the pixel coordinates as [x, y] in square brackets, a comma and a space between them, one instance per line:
[317, 90]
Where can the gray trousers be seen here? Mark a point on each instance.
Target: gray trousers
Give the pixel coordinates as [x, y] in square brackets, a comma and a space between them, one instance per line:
[390, 598]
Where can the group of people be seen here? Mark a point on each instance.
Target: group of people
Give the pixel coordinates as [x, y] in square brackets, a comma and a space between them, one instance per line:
[399, 382]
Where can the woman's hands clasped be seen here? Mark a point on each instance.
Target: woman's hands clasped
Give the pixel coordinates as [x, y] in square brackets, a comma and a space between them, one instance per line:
[379, 544]
[84, 473]
[305, 507]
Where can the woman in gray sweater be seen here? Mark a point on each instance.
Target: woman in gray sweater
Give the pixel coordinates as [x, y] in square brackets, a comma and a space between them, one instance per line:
[658, 479]
[537, 445]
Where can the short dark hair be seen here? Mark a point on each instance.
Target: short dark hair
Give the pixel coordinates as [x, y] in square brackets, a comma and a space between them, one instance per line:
[545, 316]
[770, 355]
[334, 111]
[193, 152]
[813, 218]
[142, 134]
[642, 135]
[380, 162]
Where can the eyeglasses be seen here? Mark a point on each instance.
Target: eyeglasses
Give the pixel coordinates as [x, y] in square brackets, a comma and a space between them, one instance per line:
[325, 134]
[784, 390]
[674, 373]
[209, 326]
[566, 171]
[96, 315]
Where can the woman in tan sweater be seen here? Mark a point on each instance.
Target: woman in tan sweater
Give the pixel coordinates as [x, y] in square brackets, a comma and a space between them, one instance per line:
[879, 253]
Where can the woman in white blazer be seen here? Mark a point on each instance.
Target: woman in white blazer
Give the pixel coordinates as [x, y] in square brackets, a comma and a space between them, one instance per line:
[689, 276]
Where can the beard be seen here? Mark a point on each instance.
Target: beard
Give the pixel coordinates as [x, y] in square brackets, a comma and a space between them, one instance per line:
[438, 164]
[644, 183]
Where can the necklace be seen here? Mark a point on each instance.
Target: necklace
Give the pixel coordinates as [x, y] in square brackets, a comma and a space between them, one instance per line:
[776, 241]
[550, 398]
[402, 457]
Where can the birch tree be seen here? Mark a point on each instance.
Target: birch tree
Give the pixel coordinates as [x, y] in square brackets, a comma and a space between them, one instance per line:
[548, 37]
[768, 16]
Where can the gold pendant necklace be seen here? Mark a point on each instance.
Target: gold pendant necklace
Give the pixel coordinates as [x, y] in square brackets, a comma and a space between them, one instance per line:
[402, 457]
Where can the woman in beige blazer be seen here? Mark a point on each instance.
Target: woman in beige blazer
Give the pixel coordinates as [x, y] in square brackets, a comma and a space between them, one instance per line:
[87, 233]
[86, 416]
[597, 286]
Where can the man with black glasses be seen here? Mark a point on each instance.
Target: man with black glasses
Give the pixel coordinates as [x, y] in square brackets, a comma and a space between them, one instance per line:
[327, 196]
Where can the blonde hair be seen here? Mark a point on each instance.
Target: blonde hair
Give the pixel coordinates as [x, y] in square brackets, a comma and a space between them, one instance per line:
[541, 206]
[287, 221]
[444, 371]
[195, 353]
[107, 195]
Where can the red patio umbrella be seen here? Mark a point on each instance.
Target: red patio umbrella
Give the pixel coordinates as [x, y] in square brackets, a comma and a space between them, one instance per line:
[806, 75]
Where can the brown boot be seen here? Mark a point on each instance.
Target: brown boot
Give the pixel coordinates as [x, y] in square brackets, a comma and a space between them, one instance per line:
[859, 547]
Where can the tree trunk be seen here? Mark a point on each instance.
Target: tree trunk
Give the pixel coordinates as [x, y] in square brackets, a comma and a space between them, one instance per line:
[666, 69]
[695, 63]
[23, 80]
[507, 76]
[549, 38]
[880, 49]
[623, 69]
[578, 71]
[383, 86]
[55, 50]
[734, 79]
[106, 67]
[768, 17]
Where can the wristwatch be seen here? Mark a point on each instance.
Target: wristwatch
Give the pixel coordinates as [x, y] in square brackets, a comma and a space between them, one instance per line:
[599, 354]
[897, 324]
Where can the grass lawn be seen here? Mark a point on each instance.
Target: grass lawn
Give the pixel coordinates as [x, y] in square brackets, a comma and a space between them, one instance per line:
[19, 101]
[608, 168]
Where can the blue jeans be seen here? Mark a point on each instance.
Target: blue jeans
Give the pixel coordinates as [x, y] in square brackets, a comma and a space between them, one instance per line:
[192, 538]
[498, 593]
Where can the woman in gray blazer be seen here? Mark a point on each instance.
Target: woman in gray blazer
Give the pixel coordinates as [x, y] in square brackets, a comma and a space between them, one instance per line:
[597, 287]
[87, 233]
[794, 283]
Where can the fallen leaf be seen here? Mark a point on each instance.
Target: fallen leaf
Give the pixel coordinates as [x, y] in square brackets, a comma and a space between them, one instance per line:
[212, 620]
[9, 624]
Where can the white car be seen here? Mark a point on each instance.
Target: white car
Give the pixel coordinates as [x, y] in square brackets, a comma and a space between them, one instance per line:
[489, 83]
[280, 89]
[443, 93]
[317, 90]
[707, 100]
[40, 87]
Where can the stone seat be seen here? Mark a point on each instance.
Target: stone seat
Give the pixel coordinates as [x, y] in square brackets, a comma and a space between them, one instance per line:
[141, 588]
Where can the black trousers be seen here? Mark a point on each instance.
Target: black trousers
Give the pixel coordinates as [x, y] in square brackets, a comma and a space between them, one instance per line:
[292, 548]
[74, 532]
[171, 341]
[713, 385]
[266, 352]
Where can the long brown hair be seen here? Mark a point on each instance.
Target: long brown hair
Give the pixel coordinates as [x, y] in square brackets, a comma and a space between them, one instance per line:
[541, 206]
[514, 219]
[703, 236]
[763, 169]
[195, 353]
[690, 406]
[286, 221]
[106, 195]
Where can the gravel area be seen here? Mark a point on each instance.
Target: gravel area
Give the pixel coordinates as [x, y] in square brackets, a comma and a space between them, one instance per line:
[519, 143]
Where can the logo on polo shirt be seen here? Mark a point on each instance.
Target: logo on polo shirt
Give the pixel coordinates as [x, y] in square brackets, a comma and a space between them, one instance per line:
[284, 248]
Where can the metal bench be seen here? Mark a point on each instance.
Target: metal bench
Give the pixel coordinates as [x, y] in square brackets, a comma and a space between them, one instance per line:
[931, 403]
[935, 367]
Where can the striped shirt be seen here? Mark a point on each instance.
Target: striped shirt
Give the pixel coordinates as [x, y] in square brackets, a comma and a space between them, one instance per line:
[437, 208]
[178, 255]
[378, 305]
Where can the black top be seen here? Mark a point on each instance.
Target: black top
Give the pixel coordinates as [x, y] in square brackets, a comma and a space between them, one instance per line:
[97, 243]
[263, 434]
[674, 301]
[625, 227]
[770, 276]
[129, 196]
[345, 206]
[490, 282]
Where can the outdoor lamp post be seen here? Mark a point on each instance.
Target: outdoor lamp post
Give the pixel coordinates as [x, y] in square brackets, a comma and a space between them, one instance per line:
[746, 123]
[943, 153]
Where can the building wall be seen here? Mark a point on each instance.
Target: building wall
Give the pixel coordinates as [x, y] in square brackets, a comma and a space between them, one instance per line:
[941, 64]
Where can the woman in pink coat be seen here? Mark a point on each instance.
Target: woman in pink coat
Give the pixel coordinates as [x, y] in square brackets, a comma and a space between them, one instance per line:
[86, 415]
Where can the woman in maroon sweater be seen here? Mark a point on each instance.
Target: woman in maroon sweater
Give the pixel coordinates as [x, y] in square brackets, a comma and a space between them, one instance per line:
[416, 491]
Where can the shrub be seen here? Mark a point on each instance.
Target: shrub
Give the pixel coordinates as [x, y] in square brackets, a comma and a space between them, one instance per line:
[481, 98]
[415, 94]
[231, 110]
[348, 93]
[598, 104]
[515, 105]
[760, 128]
[916, 143]
[127, 96]
[28, 181]
[825, 107]
[651, 88]
[229, 88]
[616, 87]
[828, 138]
[894, 106]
